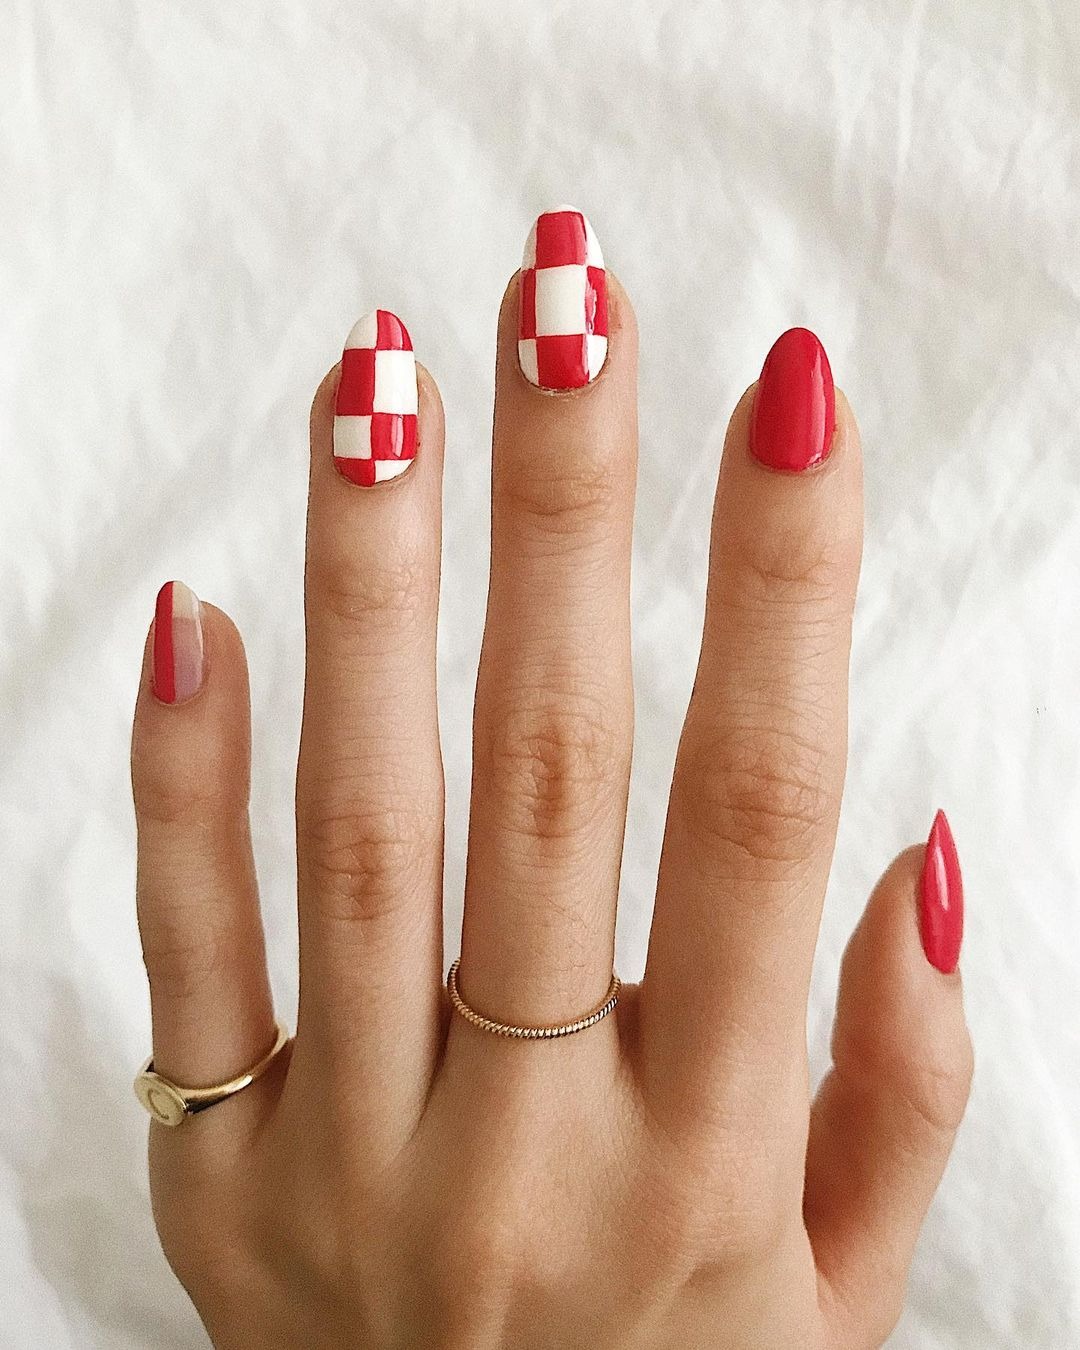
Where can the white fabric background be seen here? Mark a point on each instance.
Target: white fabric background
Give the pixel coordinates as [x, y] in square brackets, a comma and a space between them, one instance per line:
[198, 200]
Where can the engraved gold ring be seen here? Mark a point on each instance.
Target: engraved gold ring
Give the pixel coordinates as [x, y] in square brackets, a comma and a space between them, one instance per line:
[171, 1104]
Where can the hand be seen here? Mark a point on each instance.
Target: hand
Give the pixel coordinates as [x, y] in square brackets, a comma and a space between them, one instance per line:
[400, 1178]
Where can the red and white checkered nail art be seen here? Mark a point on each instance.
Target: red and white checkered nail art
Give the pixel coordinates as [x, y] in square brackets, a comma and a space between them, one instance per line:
[563, 317]
[375, 412]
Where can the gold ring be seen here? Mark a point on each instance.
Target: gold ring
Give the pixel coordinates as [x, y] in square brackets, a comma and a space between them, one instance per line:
[530, 1033]
[171, 1104]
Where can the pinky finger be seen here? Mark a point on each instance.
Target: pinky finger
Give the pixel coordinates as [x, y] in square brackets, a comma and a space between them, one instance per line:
[883, 1125]
[197, 900]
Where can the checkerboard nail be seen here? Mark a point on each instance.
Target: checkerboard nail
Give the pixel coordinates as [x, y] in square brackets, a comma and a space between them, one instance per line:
[178, 643]
[375, 412]
[562, 314]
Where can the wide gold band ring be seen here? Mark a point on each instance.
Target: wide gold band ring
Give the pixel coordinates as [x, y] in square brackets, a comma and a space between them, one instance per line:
[526, 1033]
[171, 1104]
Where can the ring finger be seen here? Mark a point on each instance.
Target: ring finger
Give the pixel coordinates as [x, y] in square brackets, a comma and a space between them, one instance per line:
[369, 790]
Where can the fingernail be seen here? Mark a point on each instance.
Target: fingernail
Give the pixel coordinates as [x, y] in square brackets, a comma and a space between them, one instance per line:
[562, 305]
[375, 411]
[941, 908]
[178, 643]
[791, 426]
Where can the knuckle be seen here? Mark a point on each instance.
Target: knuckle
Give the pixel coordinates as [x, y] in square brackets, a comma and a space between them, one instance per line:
[481, 1262]
[677, 1229]
[554, 767]
[212, 1280]
[764, 794]
[928, 1091]
[353, 591]
[364, 862]
[476, 1251]
[561, 504]
[188, 792]
[316, 1246]
[206, 1245]
[935, 1090]
[807, 566]
[705, 1209]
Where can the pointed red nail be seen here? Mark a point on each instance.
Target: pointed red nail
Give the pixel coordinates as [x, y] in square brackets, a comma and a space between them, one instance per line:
[941, 908]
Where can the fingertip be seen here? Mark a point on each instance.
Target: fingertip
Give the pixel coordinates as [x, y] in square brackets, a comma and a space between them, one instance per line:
[846, 442]
[622, 318]
[845, 414]
[896, 914]
[321, 417]
[224, 646]
[221, 644]
[887, 942]
[508, 307]
[432, 411]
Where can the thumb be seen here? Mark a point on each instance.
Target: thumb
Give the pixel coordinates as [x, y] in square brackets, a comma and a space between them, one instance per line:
[883, 1124]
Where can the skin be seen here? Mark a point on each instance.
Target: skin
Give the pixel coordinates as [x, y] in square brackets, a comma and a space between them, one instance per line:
[401, 1179]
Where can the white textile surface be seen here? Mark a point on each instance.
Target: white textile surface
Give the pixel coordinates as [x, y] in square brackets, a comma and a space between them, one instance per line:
[198, 200]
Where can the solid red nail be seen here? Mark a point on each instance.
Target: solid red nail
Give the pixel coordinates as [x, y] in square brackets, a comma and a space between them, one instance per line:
[941, 908]
[794, 414]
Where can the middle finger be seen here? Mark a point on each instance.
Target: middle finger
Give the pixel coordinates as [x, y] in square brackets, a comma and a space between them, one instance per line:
[554, 704]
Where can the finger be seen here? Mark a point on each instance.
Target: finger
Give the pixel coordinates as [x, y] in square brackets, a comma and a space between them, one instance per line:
[369, 795]
[197, 900]
[884, 1121]
[554, 715]
[760, 767]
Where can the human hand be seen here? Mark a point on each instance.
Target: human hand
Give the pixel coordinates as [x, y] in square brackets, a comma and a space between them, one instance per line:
[400, 1178]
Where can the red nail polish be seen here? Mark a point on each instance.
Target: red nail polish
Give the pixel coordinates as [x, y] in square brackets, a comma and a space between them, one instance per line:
[178, 643]
[941, 907]
[791, 426]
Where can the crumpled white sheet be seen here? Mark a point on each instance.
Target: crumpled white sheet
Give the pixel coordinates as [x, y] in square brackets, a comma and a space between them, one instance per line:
[200, 198]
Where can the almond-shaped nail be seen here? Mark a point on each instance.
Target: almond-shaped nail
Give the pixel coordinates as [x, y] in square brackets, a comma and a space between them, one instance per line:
[178, 643]
[375, 411]
[562, 305]
[794, 413]
[941, 900]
